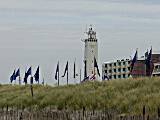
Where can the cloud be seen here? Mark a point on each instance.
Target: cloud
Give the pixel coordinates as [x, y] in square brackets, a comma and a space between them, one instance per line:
[43, 31]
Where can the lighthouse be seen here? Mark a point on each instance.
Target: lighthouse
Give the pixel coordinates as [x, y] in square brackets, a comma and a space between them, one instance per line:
[90, 52]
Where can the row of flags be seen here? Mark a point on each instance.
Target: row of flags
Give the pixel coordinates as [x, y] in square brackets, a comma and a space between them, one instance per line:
[148, 62]
[89, 77]
[65, 72]
[28, 73]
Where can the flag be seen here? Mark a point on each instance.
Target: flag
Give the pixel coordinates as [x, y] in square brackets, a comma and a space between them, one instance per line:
[146, 54]
[66, 69]
[85, 69]
[25, 78]
[96, 66]
[12, 77]
[36, 75]
[148, 63]
[133, 61]
[29, 71]
[27, 74]
[105, 77]
[85, 79]
[57, 71]
[17, 73]
[92, 77]
[74, 74]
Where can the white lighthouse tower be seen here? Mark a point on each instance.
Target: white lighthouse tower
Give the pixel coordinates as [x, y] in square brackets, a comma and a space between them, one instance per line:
[90, 52]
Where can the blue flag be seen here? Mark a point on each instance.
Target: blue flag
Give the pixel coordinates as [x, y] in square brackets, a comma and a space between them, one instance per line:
[36, 75]
[17, 73]
[148, 63]
[105, 77]
[13, 77]
[27, 74]
[25, 78]
[57, 72]
[96, 66]
[29, 71]
[66, 69]
[133, 61]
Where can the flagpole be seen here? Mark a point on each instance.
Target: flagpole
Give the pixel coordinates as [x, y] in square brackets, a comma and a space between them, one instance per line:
[74, 76]
[43, 82]
[58, 73]
[80, 76]
[38, 74]
[94, 67]
[19, 77]
[67, 77]
[31, 81]
[67, 74]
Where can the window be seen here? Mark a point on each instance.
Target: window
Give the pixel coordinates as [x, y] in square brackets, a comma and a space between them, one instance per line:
[114, 70]
[106, 65]
[110, 71]
[119, 76]
[119, 69]
[124, 63]
[128, 75]
[129, 62]
[119, 64]
[105, 71]
[128, 68]
[110, 65]
[114, 76]
[114, 64]
[124, 69]
[110, 77]
[124, 76]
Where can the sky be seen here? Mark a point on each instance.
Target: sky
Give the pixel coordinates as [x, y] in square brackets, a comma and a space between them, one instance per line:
[43, 32]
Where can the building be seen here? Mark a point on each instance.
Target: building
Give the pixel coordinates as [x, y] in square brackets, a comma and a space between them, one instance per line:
[119, 69]
[90, 52]
[140, 70]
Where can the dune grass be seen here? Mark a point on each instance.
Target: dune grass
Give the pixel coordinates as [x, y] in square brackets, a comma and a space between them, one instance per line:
[124, 96]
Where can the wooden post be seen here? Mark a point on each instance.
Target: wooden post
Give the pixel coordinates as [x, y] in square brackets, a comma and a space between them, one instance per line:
[158, 113]
[144, 112]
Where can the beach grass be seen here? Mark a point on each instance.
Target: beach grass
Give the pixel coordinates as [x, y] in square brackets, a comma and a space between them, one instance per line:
[124, 96]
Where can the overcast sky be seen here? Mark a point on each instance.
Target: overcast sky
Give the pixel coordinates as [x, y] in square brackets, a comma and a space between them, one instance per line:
[41, 32]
